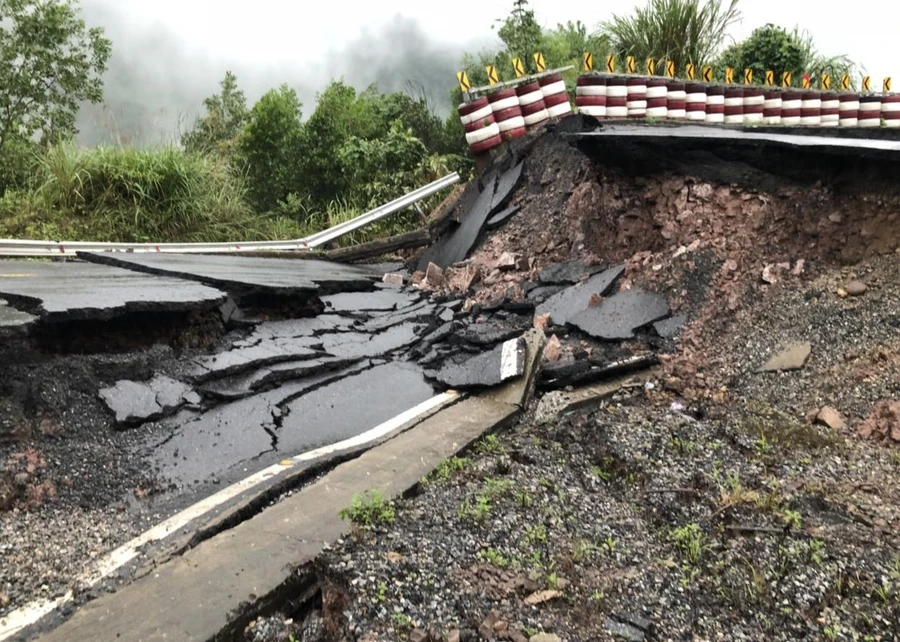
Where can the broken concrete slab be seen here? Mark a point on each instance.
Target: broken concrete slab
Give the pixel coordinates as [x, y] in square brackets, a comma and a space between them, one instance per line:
[670, 328]
[506, 361]
[135, 402]
[572, 301]
[568, 273]
[244, 274]
[620, 315]
[56, 291]
[501, 218]
[792, 357]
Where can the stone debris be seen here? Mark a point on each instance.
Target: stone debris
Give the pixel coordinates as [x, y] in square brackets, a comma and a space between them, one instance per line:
[396, 280]
[542, 597]
[831, 418]
[883, 423]
[434, 276]
[620, 315]
[792, 357]
[856, 288]
[553, 350]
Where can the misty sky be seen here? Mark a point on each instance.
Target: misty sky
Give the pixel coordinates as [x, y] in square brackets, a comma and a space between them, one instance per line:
[170, 54]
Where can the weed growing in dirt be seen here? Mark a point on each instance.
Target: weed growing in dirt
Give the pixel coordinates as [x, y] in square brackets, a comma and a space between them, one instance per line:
[447, 469]
[402, 621]
[369, 508]
[690, 541]
[490, 445]
[492, 557]
[536, 534]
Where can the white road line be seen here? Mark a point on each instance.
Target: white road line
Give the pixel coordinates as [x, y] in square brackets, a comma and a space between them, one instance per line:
[509, 360]
[33, 612]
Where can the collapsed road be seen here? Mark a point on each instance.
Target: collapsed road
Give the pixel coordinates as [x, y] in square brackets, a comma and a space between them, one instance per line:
[126, 405]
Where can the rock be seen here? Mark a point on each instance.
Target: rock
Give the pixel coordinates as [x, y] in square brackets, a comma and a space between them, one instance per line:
[500, 626]
[541, 597]
[516, 636]
[553, 351]
[883, 422]
[453, 636]
[396, 280]
[461, 279]
[542, 322]
[4, 600]
[624, 631]
[856, 288]
[418, 635]
[434, 276]
[486, 629]
[842, 293]
[792, 357]
[507, 261]
[769, 274]
[545, 637]
[830, 417]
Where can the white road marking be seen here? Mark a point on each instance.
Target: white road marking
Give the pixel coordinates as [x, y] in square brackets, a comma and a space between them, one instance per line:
[33, 612]
[509, 360]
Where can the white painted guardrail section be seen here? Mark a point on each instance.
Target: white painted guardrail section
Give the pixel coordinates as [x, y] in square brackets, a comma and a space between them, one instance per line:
[18, 247]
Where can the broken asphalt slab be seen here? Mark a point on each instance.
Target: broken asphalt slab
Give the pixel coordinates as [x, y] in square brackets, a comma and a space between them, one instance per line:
[12, 318]
[568, 273]
[670, 328]
[488, 369]
[135, 402]
[562, 307]
[621, 314]
[75, 290]
[204, 593]
[502, 218]
[242, 274]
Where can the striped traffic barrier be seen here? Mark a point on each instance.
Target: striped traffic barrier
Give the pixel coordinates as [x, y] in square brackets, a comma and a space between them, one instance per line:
[556, 98]
[616, 97]
[848, 110]
[734, 105]
[869, 111]
[590, 95]
[676, 100]
[637, 97]
[531, 102]
[790, 108]
[482, 131]
[754, 105]
[772, 107]
[831, 109]
[507, 113]
[811, 109]
[657, 98]
[695, 101]
[715, 104]
[890, 110]
[484, 139]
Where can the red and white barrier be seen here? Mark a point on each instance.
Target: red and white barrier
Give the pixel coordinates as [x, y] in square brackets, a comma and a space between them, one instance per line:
[831, 110]
[616, 97]
[695, 101]
[811, 109]
[657, 98]
[790, 108]
[507, 113]
[556, 98]
[734, 105]
[482, 131]
[531, 102]
[869, 111]
[890, 110]
[637, 97]
[772, 107]
[715, 104]
[848, 110]
[590, 95]
[676, 100]
[754, 105]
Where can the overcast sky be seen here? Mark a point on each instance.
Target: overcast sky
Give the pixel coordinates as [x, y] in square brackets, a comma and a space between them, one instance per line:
[169, 54]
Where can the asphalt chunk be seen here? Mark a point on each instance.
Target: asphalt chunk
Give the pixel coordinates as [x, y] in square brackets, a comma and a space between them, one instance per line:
[572, 301]
[620, 315]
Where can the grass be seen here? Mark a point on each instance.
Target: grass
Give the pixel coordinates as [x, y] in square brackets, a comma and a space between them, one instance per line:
[369, 508]
[159, 195]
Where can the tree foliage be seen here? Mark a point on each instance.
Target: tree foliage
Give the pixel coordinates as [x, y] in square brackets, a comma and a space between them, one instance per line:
[774, 48]
[684, 31]
[521, 33]
[226, 115]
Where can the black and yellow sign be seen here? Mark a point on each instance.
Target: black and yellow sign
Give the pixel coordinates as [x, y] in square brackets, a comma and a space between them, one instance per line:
[611, 64]
[651, 66]
[707, 74]
[691, 71]
[588, 61]
[867, 83]
[670, 68]
[463, 79]
[631, 67]
[729, 75]
[518, 67]
[493, 77]
[748, 76]
[826, 81]
[887, 85]
[845, 82]
[806, 81]
[786, 79]
[770, 79]
[539, 63]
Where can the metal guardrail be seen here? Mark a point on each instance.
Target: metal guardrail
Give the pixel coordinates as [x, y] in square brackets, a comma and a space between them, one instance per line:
[17, 247]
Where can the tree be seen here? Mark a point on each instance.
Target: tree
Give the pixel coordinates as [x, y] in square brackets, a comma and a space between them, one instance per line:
[49, 62]
[226, 115]
[269, 148]
[774, 48]
[684, 31]
[521, 33]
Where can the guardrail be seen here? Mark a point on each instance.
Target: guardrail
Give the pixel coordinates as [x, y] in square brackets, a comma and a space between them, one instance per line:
[17, 247]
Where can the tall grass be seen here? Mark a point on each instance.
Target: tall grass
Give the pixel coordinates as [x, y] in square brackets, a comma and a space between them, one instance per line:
[684, 31]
